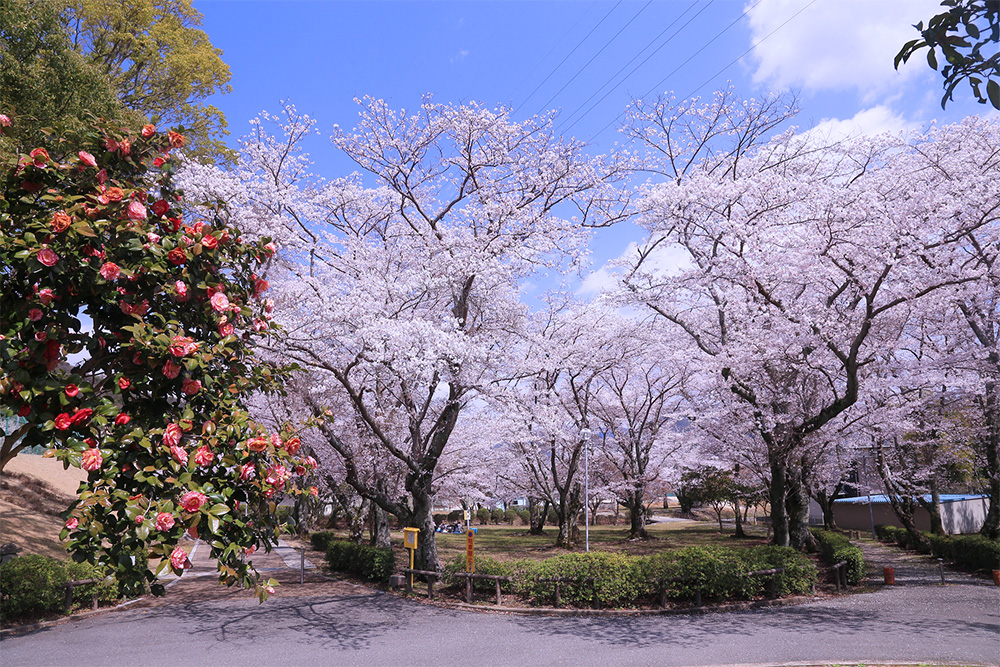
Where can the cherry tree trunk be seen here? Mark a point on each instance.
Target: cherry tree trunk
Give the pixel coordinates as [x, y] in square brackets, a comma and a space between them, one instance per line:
[426, 556]
[991, 527]
[380, 527]
[779, 520]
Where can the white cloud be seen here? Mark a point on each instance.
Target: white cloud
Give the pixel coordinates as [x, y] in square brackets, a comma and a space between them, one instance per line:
[875, 120]
[458, 57]
[837, 44]
[596, 282]
[666, 260]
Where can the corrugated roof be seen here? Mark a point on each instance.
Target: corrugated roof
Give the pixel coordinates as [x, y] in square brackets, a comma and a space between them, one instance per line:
[945, 498]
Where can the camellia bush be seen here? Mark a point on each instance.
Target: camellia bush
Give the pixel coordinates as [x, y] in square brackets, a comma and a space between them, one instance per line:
[127, 332]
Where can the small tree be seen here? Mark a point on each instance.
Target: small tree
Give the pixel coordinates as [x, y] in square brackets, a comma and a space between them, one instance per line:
[126, 347]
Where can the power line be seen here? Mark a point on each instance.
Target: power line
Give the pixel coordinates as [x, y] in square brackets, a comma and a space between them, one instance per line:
[580, 43]
[538, 64]
[646, 59]
[724, 68]
[752, 47]
[593, 57]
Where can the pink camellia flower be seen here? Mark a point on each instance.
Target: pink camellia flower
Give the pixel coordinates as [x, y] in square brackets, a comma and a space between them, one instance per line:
[313, 491]
[164, 521]
[191, 387]
[139, 520]
[171, 370]
[35, 314]
[72, 523]
[110, 271]
[257, 444]
[193, 500]
[226, 329]
[4, 120]
[39, 157]
[259, 324]
[250, 550]
[172, 435]
[247, 471]
[276, 476]
[153, 237]
[183, 293]
[135, 211]
[124, 383]
[292, 445]
[270, 248]
[276, 440]
[310, 462]
[179, 453]
[61, 221]
[122, 419]
[260, 286]
[176, 139]
[110, 144]
[179, 560]
[91, 460]
[87, 159]
[40, 336]
[45, 295]
[268, 306]
[181, 346]
[220, 302]
[71, 390]
[203, 456]
[47, 256]
[148, 130]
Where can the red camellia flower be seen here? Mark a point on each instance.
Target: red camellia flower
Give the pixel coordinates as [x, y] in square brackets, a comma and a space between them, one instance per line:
[176, 139]
[148, 130]
[203, 456]
[24, 410]
[181, 346]
[313, 491]
[63, 421]
[122, 419]
[191, 387]
[110, 271]
[60, 221]
[161, 207]
[164, 521]
[82, 415]
[226, 329]
[260, 286]
[35, 314]
[257, 444]
[71, 390]
[179, 560]
[135, 211]
[193, 500]
[177, 256]
[45, 295]
[124, 383]
[47, 256]
[209, 241]
[87, 159]
[39, 157]
[52, 354]
[158, 161]
[114, 194]
[72, 523]
[247, 471]
[171, 370]
[172, 435]
[91, 460]
[292, 445]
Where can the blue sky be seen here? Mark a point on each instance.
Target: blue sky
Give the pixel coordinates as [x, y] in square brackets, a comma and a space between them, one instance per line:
[836, 55]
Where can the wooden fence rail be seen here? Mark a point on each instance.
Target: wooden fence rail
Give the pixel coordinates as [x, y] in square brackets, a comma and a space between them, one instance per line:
[431, 576]
[469, 576]
[70, 585]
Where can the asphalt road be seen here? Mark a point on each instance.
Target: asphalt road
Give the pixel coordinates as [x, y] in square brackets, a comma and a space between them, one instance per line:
[954, 623]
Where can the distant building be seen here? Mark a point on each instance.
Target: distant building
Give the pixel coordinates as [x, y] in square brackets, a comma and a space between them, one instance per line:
[960, 513]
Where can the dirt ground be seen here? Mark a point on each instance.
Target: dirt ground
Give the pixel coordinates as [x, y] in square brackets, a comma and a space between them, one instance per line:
[33, 492]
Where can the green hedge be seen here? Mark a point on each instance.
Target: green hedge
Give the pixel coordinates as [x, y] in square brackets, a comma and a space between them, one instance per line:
[361, 560]
[321, 540]
[834, 548]
[620, 580]
[32, 584]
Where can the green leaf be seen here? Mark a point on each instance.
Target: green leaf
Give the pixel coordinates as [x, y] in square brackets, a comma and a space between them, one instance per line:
[213, 523]
[219, 509]
[932, 58]
[993, 91]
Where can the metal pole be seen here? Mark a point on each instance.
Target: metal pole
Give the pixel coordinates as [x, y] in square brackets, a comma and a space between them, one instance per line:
[302, 565]
[871, 514]
[586, 488]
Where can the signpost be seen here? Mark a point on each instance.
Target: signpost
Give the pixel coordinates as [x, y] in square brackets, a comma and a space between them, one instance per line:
[410, 542]
[470, 552]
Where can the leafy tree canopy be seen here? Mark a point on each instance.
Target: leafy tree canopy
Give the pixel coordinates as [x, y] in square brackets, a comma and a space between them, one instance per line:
[963, 33]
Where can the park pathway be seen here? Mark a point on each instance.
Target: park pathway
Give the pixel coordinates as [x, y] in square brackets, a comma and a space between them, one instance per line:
[911, 568]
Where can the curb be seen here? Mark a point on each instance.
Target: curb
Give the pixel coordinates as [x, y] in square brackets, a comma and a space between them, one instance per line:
[41, 625]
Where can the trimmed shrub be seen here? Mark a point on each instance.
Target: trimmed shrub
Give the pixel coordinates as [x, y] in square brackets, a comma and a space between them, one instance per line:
[510, 516]
[361, 560]
[321, 540]
[973, 551]
[834, 548]
[525, 517]
[439, 518]
[617, 579]
[31, 585]
[483, 516]
[106, 589]
[456, 515]
[496, 516]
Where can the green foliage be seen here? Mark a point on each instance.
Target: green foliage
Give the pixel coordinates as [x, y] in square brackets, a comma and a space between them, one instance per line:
[974, 551]
[31, 585]
[967, 34]
[497, 515]
[361, 560]
[106, 589]
[483, 516]
[834, 548]
[617, 579]
[439, 518]
[456, 515]
[525, 517]
[320, 540]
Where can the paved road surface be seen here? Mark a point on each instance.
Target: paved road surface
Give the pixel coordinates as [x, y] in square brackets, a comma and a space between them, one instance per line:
[954, 623]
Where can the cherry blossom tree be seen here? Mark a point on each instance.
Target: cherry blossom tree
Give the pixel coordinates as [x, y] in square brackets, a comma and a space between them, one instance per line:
[803, 263]
[398, 285]
[127, 347]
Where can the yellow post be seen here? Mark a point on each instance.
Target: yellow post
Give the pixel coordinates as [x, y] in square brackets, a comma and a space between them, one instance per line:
[410, 542]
